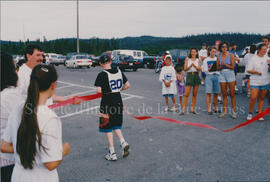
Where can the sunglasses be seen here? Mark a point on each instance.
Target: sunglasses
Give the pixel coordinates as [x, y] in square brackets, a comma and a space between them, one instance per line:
[223, 46]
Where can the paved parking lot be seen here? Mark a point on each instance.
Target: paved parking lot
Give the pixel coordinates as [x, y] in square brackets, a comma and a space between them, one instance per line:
[160, 151]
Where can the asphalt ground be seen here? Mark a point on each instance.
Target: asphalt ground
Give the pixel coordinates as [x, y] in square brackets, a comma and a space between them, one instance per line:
[160, 151]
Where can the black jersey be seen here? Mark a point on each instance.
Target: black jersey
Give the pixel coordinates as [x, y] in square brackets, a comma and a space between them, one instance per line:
[111, 82]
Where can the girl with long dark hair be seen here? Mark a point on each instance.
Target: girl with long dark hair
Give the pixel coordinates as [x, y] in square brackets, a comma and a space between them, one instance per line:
[192, 67]
[36, 132]
[9, 95]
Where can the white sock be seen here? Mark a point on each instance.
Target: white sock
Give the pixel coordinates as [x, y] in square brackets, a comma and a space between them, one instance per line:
[122, 140]
[111, 150]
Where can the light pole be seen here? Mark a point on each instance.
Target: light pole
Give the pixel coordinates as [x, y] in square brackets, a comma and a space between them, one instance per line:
[78, 41]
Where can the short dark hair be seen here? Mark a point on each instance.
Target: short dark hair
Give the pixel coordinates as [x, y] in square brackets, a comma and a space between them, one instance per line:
[260, 46]
[104, 59]
[189, 55]
[203, 44]
[30, 49]
[253, 49]
[266, 37]
[8, 74]
[221, 44]
[178, 68]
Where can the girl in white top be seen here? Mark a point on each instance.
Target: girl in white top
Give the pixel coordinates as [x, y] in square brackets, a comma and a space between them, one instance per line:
[34, 132]
[9, 95]
[259, 79]
[168, 78]
[192, 67]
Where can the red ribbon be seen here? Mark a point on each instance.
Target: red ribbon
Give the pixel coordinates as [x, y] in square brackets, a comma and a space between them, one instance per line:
[76, 100]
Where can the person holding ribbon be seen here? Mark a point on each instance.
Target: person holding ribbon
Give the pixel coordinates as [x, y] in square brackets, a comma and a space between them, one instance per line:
[110, 82]
[34, 132]
[225, 63]
[259, 79]
[192, 67]
[33, 57]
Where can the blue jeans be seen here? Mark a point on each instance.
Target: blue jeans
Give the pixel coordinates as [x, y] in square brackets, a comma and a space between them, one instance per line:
[212, 84]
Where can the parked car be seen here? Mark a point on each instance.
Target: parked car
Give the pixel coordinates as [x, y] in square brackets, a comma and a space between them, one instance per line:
[52, 58]
[61, 59]
[79, 61]
[124, 62]
[150, 61]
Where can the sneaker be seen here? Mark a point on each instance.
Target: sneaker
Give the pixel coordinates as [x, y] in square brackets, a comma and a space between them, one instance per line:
[166, 109]
[234, 116]
[222, 115]
[261, 119]
[248, 94]
[249, 117]
[111, 156]
[125, 149]
[173, 109]
[217, 111]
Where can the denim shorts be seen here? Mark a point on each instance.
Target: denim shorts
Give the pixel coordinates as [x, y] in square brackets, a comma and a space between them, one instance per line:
[226, 76]
[168, 95]
[212, 84]
[262, 87]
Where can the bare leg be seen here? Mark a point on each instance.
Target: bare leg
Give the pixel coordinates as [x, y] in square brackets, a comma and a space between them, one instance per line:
[208, 101]
[253, 97]
[110, 139]
[167, 101]
[232, 95]
[194, 97]
[119, 134]
[173, 101]
[224, 92]
[180, 100]
[188, 88]
[215, 101]
[261, 100]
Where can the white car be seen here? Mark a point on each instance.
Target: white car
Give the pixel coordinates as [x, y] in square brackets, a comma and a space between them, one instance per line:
[79, 61]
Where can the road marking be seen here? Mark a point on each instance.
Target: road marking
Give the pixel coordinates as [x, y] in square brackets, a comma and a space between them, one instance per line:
[79, 93]
[64, 87]
[88, 109]
[84, 86]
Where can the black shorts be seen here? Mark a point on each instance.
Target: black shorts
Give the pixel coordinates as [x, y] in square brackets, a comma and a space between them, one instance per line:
[114, 108]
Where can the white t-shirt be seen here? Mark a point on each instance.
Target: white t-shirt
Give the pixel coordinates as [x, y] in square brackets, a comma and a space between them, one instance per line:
[203, 52]
[51, 132]
[9, 98]
[195, 62]
[246, 60]
[259, 64]
[24, 74]
[168, 73]
[206, 65]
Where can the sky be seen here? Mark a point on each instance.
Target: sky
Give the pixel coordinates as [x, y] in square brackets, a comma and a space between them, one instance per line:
[21, 20]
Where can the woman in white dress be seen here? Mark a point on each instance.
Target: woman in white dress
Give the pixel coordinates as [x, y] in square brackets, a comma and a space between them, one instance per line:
[34, 132]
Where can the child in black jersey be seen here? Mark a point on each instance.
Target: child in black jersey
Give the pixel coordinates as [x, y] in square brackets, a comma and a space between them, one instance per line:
[110, 82]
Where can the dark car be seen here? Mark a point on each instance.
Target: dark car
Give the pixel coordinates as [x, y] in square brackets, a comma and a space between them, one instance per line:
[124, 62]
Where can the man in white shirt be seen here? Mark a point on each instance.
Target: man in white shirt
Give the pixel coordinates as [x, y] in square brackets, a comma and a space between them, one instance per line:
[266, 41]
[33, 57]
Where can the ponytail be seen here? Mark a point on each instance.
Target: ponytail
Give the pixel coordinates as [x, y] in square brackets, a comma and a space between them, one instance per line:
[29, 133]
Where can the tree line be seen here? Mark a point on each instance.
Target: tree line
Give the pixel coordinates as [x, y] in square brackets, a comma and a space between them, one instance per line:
[151, 45]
